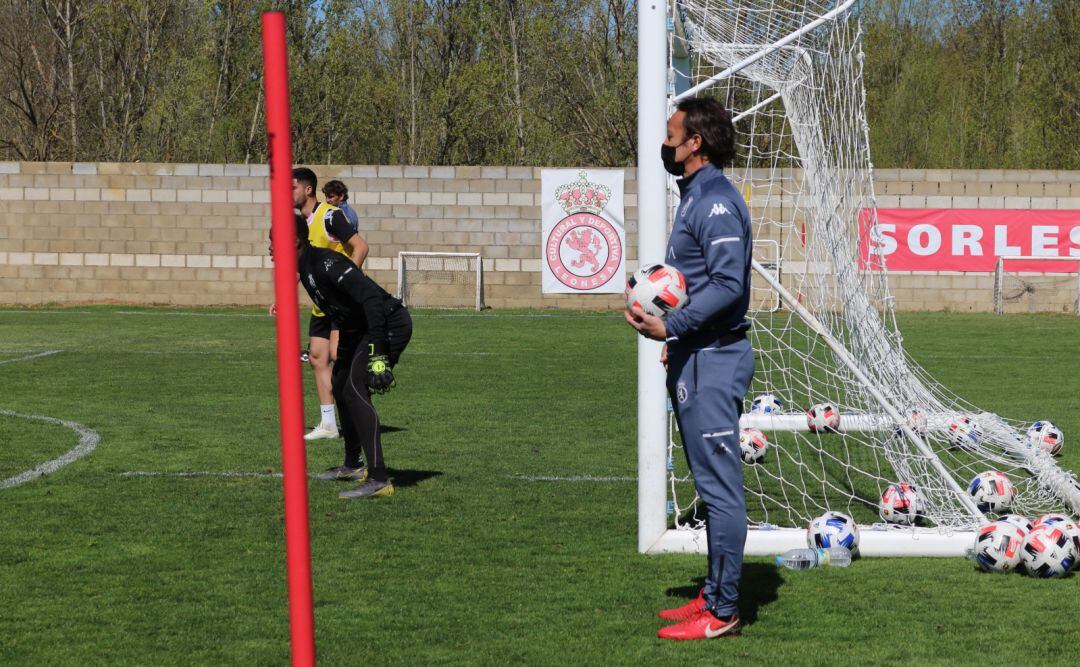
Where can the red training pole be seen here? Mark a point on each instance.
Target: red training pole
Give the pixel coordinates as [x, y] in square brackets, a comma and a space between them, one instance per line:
[290, 398]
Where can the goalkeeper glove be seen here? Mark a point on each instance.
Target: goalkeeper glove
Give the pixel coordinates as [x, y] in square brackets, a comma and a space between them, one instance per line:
[380, 378]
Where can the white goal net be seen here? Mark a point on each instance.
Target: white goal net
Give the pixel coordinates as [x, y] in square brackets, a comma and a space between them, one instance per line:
[791, 72]
[441, 280]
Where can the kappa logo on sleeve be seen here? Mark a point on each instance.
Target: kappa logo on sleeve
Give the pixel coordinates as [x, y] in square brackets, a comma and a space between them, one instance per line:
[718, 209]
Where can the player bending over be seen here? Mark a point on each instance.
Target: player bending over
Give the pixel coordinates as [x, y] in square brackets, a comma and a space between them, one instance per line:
[374, 328]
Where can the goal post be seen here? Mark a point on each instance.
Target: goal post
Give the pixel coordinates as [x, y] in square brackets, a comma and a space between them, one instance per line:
[1064, 287]
[441, 279]
[790, 71]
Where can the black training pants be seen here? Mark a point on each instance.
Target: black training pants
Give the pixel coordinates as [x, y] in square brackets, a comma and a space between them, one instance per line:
[359, 420]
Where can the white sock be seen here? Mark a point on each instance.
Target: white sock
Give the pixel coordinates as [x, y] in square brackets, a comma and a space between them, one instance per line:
[328, 420]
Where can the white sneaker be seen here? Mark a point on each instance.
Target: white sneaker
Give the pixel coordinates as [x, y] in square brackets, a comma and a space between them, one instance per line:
[320, 432]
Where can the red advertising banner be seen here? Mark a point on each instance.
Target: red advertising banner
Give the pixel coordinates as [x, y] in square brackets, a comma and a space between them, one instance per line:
[969, 239]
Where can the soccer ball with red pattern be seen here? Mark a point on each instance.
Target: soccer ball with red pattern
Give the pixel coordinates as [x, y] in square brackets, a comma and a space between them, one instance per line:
[1063, 522]
[992, 491]
[901, 504]
[1020, 522]
[752, 445]
[964, 432]
[823, 418]
[1048, 551]
[1046, 437]
[657, 289]
[997, 546]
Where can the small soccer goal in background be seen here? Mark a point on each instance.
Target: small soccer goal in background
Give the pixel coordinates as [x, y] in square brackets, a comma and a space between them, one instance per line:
[1057, 288]
[441, 279]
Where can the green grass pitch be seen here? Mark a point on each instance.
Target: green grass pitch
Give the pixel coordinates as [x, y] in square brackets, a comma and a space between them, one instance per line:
[473, 561]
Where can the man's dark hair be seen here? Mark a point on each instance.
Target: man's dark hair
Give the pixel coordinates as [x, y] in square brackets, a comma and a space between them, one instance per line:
[709, 119]
[336, 189]
[307, 177]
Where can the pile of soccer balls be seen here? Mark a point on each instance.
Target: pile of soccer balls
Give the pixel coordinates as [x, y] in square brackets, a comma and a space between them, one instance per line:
[1047, 547]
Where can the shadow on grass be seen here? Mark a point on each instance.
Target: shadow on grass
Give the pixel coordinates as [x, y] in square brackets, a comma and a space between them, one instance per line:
[404, 478]
[386, 428]
[760, 582]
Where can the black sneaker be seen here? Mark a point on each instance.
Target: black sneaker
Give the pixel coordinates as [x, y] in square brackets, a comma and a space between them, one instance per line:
[343, 474]
[369, 489]
[305, 356]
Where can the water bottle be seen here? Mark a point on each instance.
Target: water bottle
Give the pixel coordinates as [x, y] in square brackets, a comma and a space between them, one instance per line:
[804, 559]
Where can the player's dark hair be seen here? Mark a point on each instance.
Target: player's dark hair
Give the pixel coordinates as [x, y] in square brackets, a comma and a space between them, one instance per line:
[336, 189]
[307, 177]
[709, 119]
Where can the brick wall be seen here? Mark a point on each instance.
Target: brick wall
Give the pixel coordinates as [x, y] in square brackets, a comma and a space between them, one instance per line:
[187, 234]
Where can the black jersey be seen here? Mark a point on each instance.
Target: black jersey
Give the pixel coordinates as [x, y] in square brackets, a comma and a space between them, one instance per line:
[352, 300]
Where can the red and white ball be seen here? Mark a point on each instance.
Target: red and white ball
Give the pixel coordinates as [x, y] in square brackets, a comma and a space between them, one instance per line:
[1020, 522]
[964, 432]
[1048, 551]
[823, 418]
[1046, 437]
[901, 504]
[658, 289]
[992, 491]
[752, 445]
[998, 545]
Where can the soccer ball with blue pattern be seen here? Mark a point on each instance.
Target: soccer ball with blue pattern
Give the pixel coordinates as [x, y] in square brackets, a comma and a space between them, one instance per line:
[1046, 437]
[766, 404]
[997, 546]
[833, 529]
[1020, 522]
[992, 491]
[1048, 551]
[964, 432]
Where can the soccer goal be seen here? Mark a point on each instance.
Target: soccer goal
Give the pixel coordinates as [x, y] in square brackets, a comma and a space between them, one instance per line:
[791, 72]
[1055, 289]
[441, 279]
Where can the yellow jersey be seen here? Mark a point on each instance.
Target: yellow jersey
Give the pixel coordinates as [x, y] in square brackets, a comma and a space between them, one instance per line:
[318, 237]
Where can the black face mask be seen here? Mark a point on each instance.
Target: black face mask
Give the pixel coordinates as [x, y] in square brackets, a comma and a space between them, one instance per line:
[667, 154]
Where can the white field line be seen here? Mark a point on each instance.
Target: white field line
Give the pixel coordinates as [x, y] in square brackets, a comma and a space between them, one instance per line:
[572, 478]
[233, 474]
[35, 311]
[88, 442]
[182, 313]
[530, 315]
[28, 357]
[202, 473]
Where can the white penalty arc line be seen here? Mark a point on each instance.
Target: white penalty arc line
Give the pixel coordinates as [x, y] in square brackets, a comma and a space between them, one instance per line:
[28, 357]
[88, 442]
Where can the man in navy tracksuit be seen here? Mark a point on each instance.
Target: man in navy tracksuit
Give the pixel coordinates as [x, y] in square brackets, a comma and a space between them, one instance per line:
[708, 357]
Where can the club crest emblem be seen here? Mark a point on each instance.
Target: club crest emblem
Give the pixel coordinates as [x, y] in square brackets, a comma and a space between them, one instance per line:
[584, 250]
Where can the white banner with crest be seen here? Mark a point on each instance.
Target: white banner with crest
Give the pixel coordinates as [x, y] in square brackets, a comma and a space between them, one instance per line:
[583, 245]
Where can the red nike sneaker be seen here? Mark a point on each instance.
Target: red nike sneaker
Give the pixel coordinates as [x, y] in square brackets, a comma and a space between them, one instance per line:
[686, 611]
[702, 626]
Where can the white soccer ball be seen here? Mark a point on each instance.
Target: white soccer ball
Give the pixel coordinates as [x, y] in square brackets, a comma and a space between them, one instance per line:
[752, 445]
[766, 404]
[1020, 522]
[900, 503]
[658, 289]
[1046, 437]
[997, 546]
[964, 432]
[833, 529]
[1065, 523]
[1048, 551]
[916, 420]
[823, 418]
[992, 491]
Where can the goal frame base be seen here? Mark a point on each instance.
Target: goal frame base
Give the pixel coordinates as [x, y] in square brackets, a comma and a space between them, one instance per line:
[873, 542]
